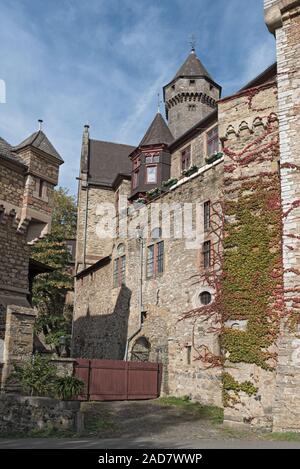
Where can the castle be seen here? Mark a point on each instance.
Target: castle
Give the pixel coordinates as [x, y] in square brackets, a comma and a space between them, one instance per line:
[219, 310]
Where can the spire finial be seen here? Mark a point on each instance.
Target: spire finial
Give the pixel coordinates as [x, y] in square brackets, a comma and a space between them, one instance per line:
[192, 42]
[40, 121]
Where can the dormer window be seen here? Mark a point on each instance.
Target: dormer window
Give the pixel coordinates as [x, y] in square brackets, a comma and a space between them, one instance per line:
[151, 174]
[152, 159]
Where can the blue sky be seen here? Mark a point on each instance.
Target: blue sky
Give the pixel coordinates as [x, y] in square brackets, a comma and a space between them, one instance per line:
[102, 62]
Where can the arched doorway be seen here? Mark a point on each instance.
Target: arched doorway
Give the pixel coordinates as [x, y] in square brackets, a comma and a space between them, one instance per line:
[141, 350]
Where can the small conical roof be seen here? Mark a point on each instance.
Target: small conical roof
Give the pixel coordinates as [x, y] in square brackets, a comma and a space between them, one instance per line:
[40, 141]
[157, 133]
[192, 67]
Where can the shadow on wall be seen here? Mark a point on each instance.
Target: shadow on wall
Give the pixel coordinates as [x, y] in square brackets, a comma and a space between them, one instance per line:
[103, 336]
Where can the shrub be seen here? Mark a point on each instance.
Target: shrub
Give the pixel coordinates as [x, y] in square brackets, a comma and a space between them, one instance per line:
[67, 387]
[36, 376]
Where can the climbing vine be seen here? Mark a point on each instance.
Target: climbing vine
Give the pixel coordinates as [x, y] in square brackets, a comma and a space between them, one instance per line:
[231, 385]
[247, 254]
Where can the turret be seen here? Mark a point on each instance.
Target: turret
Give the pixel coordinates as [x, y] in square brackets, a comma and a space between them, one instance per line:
[190, 96]
[43, 162]
[151, 159]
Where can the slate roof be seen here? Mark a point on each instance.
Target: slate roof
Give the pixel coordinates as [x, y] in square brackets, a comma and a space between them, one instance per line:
[40, 141]
[157, 133]
[192, 67]
[6, 150]
[107, 160]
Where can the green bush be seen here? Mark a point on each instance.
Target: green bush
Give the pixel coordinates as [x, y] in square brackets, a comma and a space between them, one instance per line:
[67, 387]
[36, 376]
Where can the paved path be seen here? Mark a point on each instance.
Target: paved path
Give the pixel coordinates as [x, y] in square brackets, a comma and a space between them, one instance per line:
[142, 443]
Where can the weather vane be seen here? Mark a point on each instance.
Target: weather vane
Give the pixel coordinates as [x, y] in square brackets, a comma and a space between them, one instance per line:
[193, 41]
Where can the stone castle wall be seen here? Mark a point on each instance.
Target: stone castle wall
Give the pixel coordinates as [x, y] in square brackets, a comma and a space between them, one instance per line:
[103, 312]
[251, 287]
[20, 415]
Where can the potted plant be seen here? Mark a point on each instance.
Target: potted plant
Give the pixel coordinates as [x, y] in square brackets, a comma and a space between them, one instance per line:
[214, 157]
[188, 172]
[169, 183]
[154, 193]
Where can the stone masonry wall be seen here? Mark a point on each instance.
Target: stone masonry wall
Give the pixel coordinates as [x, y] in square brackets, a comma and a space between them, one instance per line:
[283, 20]
[105, 316]
[20, 414]
[8, 179]
[18, 344]
[14, 254]
[251, 289]
[95, 249]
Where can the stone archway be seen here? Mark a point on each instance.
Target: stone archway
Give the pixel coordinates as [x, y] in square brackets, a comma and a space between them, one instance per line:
[141, 350]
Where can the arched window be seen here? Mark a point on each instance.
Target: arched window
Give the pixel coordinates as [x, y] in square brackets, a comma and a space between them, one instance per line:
[155, 255]
[141, 350]
[119, 267]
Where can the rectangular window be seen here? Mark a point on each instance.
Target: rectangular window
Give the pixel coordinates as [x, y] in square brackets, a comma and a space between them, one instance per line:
[41, 188]
[186, 158]
[160, 257]
[212, 141]
[119, 271]
[206, 215]
[135, 179]
[206, 254]
[188, 354]
[150, 262]
[155, 260]
[151, 174]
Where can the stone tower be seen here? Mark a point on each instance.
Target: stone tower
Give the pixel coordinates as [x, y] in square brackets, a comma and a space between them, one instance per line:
[190, 96]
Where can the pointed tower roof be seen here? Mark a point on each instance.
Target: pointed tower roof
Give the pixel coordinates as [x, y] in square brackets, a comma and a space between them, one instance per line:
[157, 133]
[40, 141]
[192, 67]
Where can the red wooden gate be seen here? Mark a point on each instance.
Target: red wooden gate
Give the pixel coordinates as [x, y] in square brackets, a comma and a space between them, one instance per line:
[116, 380]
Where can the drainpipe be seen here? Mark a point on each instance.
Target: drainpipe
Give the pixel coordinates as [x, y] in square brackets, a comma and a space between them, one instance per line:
[141, 307]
